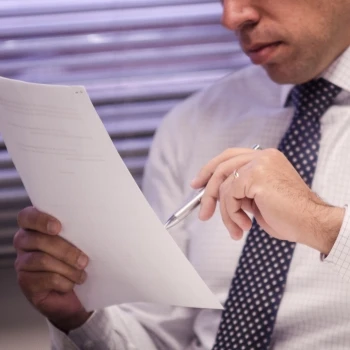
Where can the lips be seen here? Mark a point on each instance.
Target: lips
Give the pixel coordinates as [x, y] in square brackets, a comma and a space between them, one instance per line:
[262, 53]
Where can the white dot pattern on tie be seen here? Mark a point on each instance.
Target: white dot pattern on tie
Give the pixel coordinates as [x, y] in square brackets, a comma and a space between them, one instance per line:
[260, 279]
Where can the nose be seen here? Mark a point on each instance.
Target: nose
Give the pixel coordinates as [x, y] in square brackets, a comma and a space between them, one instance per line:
[239, 13]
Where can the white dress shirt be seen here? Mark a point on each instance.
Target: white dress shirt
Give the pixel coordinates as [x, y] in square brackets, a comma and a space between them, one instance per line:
[240, 110]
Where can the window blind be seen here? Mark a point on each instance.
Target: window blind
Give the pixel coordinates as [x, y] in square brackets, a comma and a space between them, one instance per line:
[137, 59]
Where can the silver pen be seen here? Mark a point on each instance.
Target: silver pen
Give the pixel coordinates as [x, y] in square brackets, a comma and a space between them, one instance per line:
[185, 210]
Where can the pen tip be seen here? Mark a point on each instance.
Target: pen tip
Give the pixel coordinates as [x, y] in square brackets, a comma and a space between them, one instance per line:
[169, 223]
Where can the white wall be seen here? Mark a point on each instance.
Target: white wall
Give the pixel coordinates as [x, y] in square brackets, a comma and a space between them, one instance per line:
[21, 327]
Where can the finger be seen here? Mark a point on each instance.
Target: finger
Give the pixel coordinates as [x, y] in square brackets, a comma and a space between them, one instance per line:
[239, 216]
[222, 172]
[235, 231]
[207, 208]
[248, 205]
[233, 205]
[55, 246]
[32, 219]
[39, 282]
[208, 170]
[239, 190]
[41, 262]
[226, 169]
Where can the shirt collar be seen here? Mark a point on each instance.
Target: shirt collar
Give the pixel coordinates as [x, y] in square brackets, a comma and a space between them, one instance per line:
[337, 73]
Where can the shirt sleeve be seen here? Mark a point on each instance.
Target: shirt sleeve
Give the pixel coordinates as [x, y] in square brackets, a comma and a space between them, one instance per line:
[109, 328]
[339, 256]
[142, 325]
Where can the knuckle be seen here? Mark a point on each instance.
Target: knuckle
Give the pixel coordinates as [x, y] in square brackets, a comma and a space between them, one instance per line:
[222, 189]
[220, 168]
[32, 218]
[220, 171]
[259, 170]
[17, 239]
[26, 261]
[60, 283]
[23, 217]
[25, 240]
[41, 259]
[273, 153]
[55, 280]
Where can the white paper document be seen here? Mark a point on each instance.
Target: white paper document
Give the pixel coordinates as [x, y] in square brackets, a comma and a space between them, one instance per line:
[71, 170]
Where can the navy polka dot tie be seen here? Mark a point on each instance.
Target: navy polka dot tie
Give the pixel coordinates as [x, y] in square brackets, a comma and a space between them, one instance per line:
[257, 288]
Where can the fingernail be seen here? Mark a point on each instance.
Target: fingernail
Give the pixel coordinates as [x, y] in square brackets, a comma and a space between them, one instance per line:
[82, 277]
[194, 182]
[82, 261]
[53, 227]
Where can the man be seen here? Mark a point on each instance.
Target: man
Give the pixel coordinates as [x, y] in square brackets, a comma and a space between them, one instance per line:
[295, 42]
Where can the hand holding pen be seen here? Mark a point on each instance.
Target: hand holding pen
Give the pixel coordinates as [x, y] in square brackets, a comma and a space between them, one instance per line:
[185, 210]
[266, 185]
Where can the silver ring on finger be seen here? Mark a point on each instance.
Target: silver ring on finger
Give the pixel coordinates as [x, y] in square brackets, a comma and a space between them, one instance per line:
[235, 174]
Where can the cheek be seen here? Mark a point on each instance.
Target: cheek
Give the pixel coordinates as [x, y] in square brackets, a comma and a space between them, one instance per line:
[303, 56]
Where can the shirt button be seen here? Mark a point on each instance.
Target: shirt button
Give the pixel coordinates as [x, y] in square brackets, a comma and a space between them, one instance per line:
[89, 345]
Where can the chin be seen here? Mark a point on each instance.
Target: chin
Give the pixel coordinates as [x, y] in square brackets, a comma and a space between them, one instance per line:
[281, 74]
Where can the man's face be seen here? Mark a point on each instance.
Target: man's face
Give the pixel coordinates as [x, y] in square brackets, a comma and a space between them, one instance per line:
[294, 40]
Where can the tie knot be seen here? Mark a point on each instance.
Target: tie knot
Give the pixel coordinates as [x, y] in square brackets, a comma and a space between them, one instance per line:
[314, 97]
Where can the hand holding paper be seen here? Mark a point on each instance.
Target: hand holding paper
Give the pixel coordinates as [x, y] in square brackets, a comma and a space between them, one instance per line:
[71, 170]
